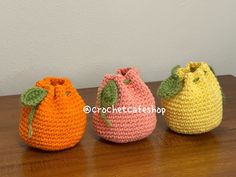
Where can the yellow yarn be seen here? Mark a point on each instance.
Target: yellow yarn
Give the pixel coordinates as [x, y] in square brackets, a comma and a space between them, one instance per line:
[197, 108]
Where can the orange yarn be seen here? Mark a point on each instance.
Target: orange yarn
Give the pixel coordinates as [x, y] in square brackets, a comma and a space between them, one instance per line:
[59, 121]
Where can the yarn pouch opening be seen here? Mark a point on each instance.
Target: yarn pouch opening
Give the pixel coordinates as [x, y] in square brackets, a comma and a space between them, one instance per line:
[57, 87]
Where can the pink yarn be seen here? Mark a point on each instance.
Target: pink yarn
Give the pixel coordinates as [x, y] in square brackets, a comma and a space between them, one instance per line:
[127, 127]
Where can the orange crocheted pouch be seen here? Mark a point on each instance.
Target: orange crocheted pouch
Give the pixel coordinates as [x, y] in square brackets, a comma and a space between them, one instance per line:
[125, 103]
[52, 116]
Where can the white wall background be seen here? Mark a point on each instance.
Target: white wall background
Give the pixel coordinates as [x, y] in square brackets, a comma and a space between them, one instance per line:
[84, 39]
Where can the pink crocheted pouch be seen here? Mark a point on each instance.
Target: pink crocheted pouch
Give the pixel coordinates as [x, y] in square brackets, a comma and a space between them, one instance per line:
[125, 104]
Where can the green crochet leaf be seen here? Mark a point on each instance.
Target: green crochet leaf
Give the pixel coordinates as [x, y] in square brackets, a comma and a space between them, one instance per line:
[33, 96]
[126, 81]
[30, 121]
[170, 87]
[109, 95]
[107, 98]
[196, 79]
[174, 70]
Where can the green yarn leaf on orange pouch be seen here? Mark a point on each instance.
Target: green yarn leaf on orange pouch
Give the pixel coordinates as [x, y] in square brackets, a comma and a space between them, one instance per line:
[31, 98]
[107, 98]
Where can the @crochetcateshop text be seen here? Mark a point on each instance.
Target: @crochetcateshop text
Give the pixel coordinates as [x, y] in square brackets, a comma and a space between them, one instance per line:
[140, 109]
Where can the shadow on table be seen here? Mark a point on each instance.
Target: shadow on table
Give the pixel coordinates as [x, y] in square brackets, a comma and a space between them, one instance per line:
[61, 163]
[128, 159]
[192, 155]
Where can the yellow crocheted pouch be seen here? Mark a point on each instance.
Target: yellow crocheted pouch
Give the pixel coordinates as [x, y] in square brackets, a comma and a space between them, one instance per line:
[192, 98]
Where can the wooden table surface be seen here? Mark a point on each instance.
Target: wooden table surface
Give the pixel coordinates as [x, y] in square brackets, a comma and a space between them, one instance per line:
[164, 153]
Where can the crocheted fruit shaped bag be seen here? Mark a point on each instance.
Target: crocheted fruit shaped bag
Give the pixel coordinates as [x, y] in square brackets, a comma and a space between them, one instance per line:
[192, 98]
[52, 116]
[124, 90]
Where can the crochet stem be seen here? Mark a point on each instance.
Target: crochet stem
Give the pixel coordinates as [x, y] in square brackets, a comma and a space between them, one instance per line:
[104, 117]
[30, 120]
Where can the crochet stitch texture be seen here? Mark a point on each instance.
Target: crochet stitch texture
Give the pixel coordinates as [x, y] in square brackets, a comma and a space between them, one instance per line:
[196, 106]
[124, 89]
[58, 121]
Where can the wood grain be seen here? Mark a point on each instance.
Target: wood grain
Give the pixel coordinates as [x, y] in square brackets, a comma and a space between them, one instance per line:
[164, 153]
